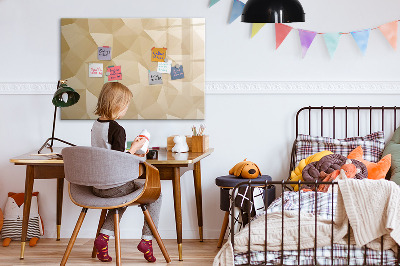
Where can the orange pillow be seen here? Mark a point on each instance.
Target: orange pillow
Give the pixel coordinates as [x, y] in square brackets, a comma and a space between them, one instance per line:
[375, 170]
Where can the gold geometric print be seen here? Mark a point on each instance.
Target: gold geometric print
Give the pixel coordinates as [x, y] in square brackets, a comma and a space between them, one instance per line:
[131, 41]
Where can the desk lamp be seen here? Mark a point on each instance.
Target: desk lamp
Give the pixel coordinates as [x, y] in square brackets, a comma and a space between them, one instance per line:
[64, 96]
[273, 11]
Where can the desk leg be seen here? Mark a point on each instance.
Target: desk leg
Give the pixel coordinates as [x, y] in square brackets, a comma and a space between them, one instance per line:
[176, 182]
[60, 190]
[199, 204]
[27, 206]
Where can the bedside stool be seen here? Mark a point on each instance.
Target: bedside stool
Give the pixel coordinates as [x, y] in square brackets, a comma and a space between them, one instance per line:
[228, 182]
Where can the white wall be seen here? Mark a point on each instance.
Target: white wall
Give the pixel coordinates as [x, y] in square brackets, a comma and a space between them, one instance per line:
[259, 127]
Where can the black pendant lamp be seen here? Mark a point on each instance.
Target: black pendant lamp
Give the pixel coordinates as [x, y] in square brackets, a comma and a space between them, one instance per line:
[273, 11]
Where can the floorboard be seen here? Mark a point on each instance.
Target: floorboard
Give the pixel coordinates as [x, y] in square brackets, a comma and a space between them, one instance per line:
[50, 252]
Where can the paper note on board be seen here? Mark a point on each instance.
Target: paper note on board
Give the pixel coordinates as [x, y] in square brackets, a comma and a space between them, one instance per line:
[155, 78]
[115, 73]
[164, 67]
[104, 53]
[95, 70]
[177, 72]
[158, 54]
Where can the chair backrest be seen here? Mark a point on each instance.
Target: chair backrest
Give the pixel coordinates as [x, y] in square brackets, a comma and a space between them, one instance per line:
[92, 166]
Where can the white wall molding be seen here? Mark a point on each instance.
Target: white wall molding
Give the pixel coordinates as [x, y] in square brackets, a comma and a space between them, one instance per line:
[250, 87]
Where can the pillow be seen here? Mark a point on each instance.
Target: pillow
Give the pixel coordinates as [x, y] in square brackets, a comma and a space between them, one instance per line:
[393, 148]
[296, 174]
[372, 144]
[375, 170]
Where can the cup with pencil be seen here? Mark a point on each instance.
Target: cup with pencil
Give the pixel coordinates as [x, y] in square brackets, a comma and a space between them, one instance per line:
[199, 140]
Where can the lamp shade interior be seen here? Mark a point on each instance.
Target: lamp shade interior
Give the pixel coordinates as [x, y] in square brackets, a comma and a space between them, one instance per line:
[273, 11]
[65, 96]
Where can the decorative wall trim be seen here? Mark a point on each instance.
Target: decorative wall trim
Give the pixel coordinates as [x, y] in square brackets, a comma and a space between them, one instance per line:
[251, 87]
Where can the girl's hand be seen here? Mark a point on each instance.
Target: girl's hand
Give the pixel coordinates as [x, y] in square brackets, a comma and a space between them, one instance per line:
[143, 155]
[137, 144]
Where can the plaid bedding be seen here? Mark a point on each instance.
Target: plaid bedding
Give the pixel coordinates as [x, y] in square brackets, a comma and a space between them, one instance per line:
[372, 145]
[322, 207]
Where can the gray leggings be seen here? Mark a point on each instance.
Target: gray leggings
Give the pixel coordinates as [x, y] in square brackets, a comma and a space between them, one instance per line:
[154, 208]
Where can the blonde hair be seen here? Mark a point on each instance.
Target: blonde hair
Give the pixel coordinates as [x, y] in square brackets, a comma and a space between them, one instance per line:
[113, 98]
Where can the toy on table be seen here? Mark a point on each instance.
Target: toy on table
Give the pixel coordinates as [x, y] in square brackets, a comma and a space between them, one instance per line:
[180, 144]
[13, 215]
[245, 169]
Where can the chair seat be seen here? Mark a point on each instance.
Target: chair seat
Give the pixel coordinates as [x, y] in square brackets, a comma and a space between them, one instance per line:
[83, 196]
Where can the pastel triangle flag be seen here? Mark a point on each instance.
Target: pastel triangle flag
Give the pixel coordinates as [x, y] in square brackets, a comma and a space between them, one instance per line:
[237, 9]
[213, 2]
[281, 31]
[389, 30]
[332, 41]
[256, 27]
[361, 37]
[306, 39]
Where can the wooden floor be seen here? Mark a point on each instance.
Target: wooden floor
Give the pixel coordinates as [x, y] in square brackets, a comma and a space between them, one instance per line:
[50, 252]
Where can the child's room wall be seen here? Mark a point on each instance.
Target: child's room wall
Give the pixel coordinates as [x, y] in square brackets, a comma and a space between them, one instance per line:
[259, 127]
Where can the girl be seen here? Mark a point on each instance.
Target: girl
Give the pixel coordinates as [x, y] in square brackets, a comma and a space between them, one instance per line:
[106, 133]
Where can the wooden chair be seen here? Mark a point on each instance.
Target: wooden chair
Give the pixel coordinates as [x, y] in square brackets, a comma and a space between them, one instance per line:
[85, 167]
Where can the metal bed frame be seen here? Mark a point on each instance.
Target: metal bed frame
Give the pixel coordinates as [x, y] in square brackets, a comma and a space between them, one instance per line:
[283, 184]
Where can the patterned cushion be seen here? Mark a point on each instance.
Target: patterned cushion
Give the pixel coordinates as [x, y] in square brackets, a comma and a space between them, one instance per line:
[372, 144]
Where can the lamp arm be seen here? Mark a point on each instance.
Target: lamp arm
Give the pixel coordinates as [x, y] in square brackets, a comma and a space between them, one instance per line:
[54, 126]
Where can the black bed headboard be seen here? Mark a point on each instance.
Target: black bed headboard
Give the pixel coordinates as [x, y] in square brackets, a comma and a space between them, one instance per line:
[344, 121]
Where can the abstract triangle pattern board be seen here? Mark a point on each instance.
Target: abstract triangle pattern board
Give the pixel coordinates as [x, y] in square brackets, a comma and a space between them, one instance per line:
[361, 37]
[306, 39]
[256, 27]
[281, 31]
[332, 41]
[237, 9]
[389, 30]
[213, 2]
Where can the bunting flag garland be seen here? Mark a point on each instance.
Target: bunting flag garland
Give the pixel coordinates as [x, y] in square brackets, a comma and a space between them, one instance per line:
[237, 9]
[332, 41]
[389, 30]
[361, 37]
[256, 27]
[213, 2]
[281, 31]
[306, 39]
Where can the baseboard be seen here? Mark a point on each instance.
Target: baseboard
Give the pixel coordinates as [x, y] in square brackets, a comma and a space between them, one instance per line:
[247, 87]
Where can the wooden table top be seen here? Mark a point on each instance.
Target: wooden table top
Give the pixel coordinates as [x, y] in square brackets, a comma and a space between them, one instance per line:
[164, 157]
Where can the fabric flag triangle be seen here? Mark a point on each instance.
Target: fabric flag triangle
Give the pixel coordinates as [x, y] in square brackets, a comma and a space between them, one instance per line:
[237, 9]
[389, 30]
[213, 2]
[361, 37]
[306, 39]
[332, 41]
[256, 27]
[281, 31]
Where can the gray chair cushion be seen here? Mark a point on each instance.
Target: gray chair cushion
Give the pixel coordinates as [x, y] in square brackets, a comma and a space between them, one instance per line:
[99, 167]
[84, 196]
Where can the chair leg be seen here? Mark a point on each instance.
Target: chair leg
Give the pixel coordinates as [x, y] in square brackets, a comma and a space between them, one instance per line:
[154, 230]
[223, 229]
[117, 239]
[101, 222]
[73, 237]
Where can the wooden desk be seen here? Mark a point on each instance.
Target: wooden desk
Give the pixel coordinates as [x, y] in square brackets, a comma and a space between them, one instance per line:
[171, 167]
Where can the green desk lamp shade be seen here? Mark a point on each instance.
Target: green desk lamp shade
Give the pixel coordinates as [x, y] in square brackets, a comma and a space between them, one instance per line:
[64, 96]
